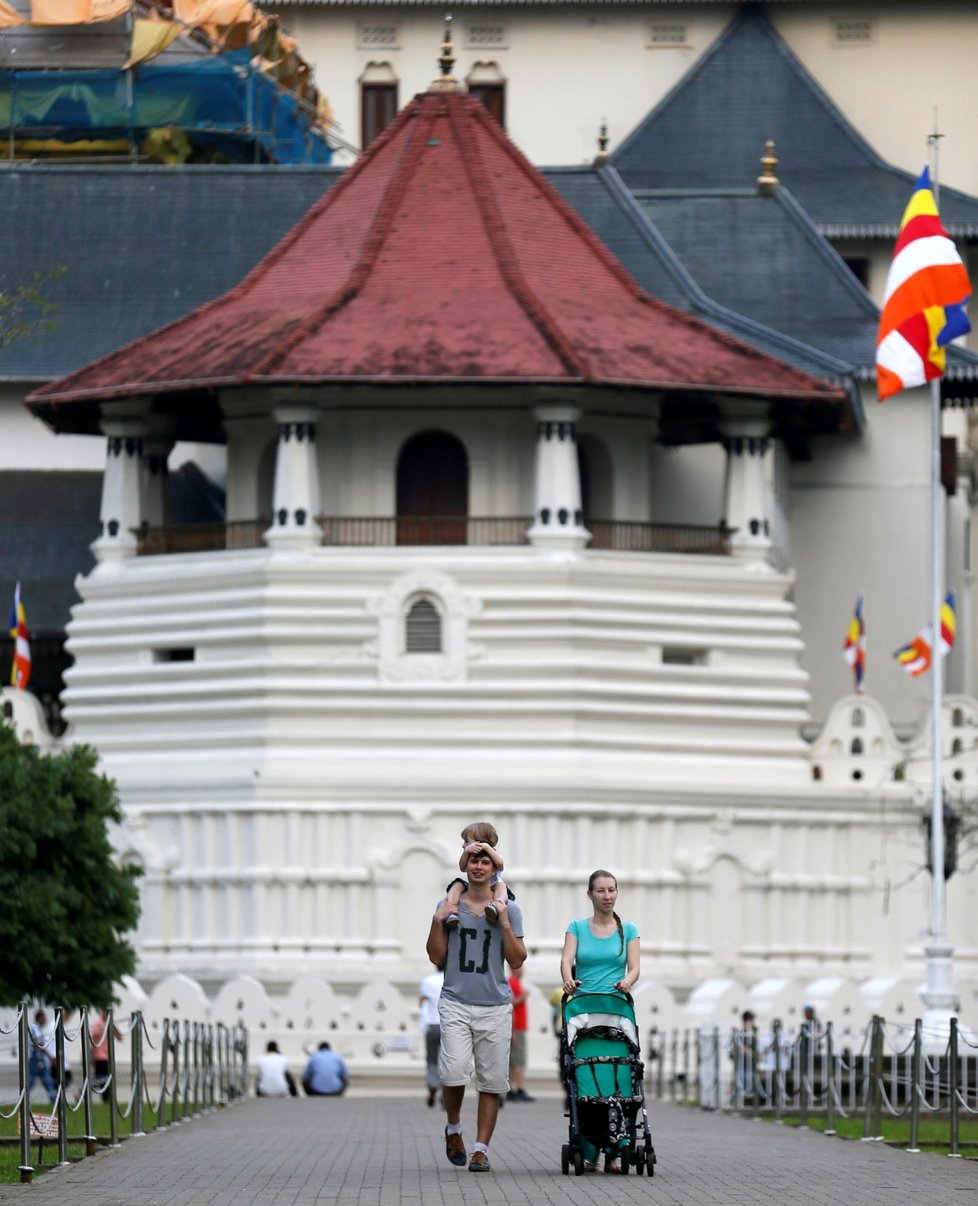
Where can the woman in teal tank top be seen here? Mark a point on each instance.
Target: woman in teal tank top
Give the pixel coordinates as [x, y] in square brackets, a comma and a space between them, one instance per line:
[601, 952]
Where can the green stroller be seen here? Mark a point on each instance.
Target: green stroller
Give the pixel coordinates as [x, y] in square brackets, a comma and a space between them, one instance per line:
[603, 1080]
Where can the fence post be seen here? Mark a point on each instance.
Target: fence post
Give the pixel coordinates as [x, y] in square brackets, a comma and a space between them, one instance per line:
[91, 1142]
[187, 1058]
[829, 1079]
[878, 1080]
[62, 1099]
[164, 1060]
[915, 1086]
[717, 1087]
[804, 1049]
[136, 1059]
[175, 1045]
[778, 1099]
[113, 1080]
[686, 1065]
[953, 1074]
[23, 1061]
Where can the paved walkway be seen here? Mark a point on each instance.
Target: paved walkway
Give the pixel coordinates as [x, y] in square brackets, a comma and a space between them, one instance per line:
[385, 1151]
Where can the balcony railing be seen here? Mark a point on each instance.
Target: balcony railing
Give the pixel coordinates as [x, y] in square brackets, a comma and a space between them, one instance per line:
[369, 532]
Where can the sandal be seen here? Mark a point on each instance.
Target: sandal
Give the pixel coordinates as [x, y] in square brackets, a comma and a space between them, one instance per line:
[590, 1165]
[612, 1164]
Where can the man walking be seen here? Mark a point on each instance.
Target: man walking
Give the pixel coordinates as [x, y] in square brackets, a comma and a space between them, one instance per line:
[475, 1006]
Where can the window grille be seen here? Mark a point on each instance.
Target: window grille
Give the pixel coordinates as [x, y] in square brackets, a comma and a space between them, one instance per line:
[422, 629]
[673, 34]
[378, 35]
[853, 33]
[487, 33]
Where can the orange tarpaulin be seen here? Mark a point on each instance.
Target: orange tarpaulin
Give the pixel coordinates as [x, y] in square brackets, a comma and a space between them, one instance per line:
[9, 18]
[150, 38]
[213, 12]
[76, 12]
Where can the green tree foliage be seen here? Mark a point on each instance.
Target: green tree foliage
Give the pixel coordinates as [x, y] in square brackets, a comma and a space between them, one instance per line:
[24, 309]
[65, 907]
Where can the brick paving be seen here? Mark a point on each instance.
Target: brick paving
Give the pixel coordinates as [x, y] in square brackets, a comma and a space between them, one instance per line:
[373, 1150]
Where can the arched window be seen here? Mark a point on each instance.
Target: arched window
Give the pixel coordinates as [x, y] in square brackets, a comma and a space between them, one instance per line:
[957, 718]
[378, 101]
[422, 628]
[858, 718]
[857, 746]
[432, 490]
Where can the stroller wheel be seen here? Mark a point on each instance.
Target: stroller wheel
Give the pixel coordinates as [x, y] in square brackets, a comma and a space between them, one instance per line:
[565, 1159]
[626, 1160]
[650, 1161]
[578, 1162]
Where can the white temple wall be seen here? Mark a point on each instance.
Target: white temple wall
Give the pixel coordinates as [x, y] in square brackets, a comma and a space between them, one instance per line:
[568, 67]
[687, 484]
[859, 514]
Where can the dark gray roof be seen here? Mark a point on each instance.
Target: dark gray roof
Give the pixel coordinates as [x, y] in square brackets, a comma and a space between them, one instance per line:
[141, 245]
[626, 225]
[710, 131]
[763, 257]
[754, 266]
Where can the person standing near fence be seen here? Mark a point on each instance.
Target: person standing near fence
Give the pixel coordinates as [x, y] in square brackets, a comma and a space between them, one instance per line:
[38, 1060]
[517, 1051]
[99, 1049]
[429, 995]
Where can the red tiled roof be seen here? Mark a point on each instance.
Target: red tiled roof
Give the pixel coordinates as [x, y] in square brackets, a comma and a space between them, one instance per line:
[443, 255]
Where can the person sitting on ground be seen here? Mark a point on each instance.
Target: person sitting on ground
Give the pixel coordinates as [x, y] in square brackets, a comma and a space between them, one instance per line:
[478, 838]
[325, 1074]
[274, 1077]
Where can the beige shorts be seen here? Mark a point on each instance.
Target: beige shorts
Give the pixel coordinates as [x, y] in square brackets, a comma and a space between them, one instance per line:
[475, 1037]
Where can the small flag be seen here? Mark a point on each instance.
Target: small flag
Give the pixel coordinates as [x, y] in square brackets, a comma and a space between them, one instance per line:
[854, 649]
[20, 671]
[915, 656]
[927, 290]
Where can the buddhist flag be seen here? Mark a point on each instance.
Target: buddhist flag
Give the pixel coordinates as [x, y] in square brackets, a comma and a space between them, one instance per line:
[915, 656]
[854, 649]
[927, 290]
[20, 671]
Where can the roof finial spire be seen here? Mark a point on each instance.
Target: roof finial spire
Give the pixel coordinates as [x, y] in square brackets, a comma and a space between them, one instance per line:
[767, 182]
[602, 156]
[446, 82]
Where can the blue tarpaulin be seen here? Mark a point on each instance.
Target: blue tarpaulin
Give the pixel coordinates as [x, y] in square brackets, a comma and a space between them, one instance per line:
[220, 96]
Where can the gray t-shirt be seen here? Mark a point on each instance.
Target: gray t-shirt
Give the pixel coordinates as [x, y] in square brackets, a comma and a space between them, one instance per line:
[474, 969]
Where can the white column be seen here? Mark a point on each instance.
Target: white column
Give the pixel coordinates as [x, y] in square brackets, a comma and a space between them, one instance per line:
[558, 521]
[295, 501]
[747, 504]
[121, 510]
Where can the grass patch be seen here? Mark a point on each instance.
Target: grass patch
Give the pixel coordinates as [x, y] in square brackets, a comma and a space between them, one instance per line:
[45, 1155]
[933, 1134]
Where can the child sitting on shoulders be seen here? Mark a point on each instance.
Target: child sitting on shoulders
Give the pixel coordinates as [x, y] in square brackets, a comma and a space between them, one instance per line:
[477, 839]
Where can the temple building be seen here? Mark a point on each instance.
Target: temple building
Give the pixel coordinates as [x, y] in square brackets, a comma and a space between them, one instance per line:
[542, 497]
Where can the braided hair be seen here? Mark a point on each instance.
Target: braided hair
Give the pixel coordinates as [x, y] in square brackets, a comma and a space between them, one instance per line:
[599, 874]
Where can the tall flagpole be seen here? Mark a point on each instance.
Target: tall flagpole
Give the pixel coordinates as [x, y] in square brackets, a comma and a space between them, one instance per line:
[938, 994]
